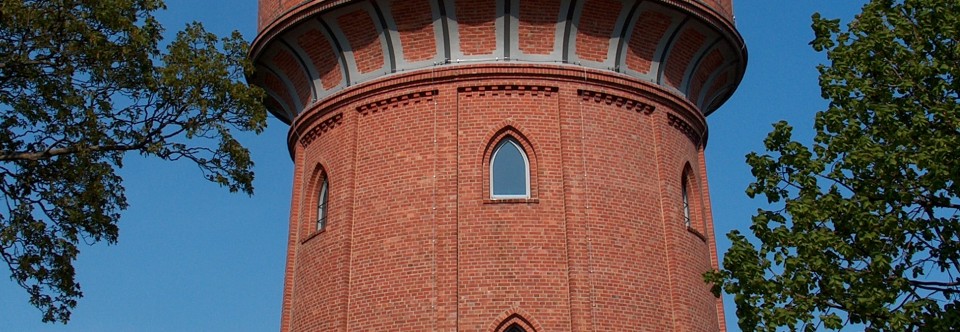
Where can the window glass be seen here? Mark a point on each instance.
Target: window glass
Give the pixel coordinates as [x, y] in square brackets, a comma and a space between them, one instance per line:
[322, 205]
[510, 171]
[515, 328]
[686, 202]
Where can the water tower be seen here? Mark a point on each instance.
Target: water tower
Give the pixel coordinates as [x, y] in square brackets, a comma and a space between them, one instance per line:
[498, 165]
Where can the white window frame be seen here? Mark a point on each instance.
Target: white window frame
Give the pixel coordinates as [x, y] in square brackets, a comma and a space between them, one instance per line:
[526, 168]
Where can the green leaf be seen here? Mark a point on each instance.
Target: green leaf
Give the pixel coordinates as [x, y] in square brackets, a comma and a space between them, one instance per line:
[82, 83]
[867, 226]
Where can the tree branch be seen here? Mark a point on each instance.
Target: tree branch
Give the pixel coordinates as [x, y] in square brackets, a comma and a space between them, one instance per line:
[50, 153]
[926, 284]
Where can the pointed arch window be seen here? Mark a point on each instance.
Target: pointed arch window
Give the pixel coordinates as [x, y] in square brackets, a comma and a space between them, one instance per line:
[515, 328]
[323, 196]
[685, 196]
[509, 170]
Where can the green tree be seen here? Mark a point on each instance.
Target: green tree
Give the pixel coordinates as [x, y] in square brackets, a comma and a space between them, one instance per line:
[82, 83]
[864, 225]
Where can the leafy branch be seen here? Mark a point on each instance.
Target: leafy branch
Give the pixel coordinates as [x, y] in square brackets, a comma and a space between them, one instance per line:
[82, 84]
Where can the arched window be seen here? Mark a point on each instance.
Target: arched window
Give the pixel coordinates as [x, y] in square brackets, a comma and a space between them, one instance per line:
[509, 170]
[515, 323]
[322, 203]
[685, 195]
[514, 328]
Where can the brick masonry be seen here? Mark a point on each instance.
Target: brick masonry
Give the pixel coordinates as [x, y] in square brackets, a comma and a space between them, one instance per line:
[597, 20]
[344, 43]
[415, 26]
[647, 34]
[321, 53]
[362, 40]
[538, 24]
[413, 240]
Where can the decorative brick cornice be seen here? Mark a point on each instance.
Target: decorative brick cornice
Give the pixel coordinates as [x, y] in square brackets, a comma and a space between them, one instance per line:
[684, 128]
[509, 89]
[283, 22]
[397, 101]
[321, 128]
[609, 99]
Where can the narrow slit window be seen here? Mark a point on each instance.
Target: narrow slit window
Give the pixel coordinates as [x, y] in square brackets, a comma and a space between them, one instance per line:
[322, 204]
[684, 192]
[509, 171]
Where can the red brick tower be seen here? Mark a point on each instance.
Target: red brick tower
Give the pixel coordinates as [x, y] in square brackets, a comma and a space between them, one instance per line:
[498, 165]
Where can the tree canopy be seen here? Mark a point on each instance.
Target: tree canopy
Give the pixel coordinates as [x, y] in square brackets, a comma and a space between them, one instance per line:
[863, 228]
[84, 83]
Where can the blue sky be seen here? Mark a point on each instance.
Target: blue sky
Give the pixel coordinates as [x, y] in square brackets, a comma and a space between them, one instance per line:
[193, 257]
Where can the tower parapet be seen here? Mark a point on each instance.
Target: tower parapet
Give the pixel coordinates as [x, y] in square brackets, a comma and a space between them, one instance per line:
[498, 165]
[310, 50]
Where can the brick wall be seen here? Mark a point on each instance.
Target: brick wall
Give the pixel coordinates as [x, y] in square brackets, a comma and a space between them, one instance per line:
[710, 64]
[415, 25]
[688, 42]
[477, 26]
[271, 10]
[647, 34]
[320, 278]
[414, 241]
[363, 40]
[289, 66]
[512, 253]
[595, 28]
[538, 26]
[343, 43]
[321, 52]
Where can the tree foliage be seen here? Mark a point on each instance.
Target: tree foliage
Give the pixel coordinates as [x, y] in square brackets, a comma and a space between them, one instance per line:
[82, 83]
[864, 229]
